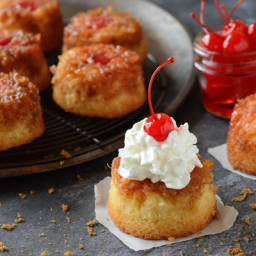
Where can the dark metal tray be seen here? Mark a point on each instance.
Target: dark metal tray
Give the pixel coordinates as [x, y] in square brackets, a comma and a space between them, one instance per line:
[90, 138]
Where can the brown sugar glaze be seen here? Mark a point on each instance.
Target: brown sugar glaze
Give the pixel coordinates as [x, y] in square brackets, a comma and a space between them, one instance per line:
[18, 98]
[101, 62]
[199, 177]
[102, 26]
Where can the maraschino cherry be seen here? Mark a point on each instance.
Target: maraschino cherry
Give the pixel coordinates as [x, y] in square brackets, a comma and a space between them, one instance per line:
[4, 41]
[98, 22]
[211, 40]
[27, 4]
[236, 42]
[234, 38]
[158, 125]
[252, 34]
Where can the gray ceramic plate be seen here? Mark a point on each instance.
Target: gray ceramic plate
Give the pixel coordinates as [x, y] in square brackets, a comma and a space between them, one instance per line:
[165, 37]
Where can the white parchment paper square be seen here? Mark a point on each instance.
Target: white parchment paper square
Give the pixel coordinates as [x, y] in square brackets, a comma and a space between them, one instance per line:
[220, 153]
[228, 216]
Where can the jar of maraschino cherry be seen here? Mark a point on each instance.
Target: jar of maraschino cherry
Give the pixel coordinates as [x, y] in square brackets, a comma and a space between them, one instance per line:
[226, 60]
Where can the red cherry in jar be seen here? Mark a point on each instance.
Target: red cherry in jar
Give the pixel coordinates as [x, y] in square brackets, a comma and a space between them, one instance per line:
[212, 42]
[236, 25]
[236, 42]
[252, 34]
[158, 125]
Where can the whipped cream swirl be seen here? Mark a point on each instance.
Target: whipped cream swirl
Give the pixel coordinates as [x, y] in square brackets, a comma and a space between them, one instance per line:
[170, 161]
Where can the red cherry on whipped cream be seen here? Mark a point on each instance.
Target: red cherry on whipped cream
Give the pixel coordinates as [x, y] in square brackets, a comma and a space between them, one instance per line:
[158, 125]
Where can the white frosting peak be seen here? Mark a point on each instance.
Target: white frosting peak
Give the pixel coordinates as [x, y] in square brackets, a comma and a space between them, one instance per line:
[170, 161]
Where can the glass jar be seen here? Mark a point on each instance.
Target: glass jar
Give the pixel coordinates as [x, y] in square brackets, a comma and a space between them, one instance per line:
[224, 78]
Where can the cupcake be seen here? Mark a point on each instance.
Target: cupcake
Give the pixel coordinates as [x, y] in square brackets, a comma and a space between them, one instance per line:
[161, 188]
[241, 140]
[22, 52]
[105, 26]
[99, 81]
[21, 118]
[34, 16]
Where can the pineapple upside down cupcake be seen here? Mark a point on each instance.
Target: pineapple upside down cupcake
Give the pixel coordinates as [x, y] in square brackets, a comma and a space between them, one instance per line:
[34, 16]
[21, 118]
[161, 188]
[22, 52]
[105, 26]
[241, 141]
[99, 81]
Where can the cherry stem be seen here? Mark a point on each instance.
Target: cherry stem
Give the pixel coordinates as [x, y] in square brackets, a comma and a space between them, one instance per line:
[202, 11]
[234, 8]
[169, 61]
[223, 7]
[219, 9]
[206, 29]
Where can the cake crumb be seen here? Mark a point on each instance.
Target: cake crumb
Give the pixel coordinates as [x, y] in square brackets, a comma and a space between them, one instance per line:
[22, 196]
[246, 239]
[92, 223]
[32, 192]
[244, 193]
[79, 178]
[195, 245]
[42, 235]
[80, 246]
[181, 253]
[221, 243]
[68, 253]
[205, 251]
[44, 254]
[237, 251]
[68, 219]
[81, 238]
[65, 207]
[237, 239]
[51, 191]
[90, 231]
[8, 227]
[102, 230]
[171, 239]
[3, 248]
[53, 221]
[168, 245]
[50, 243]
[65, 154]
[19, 218]
[62, 163]
[248, 221]
[253, 206]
